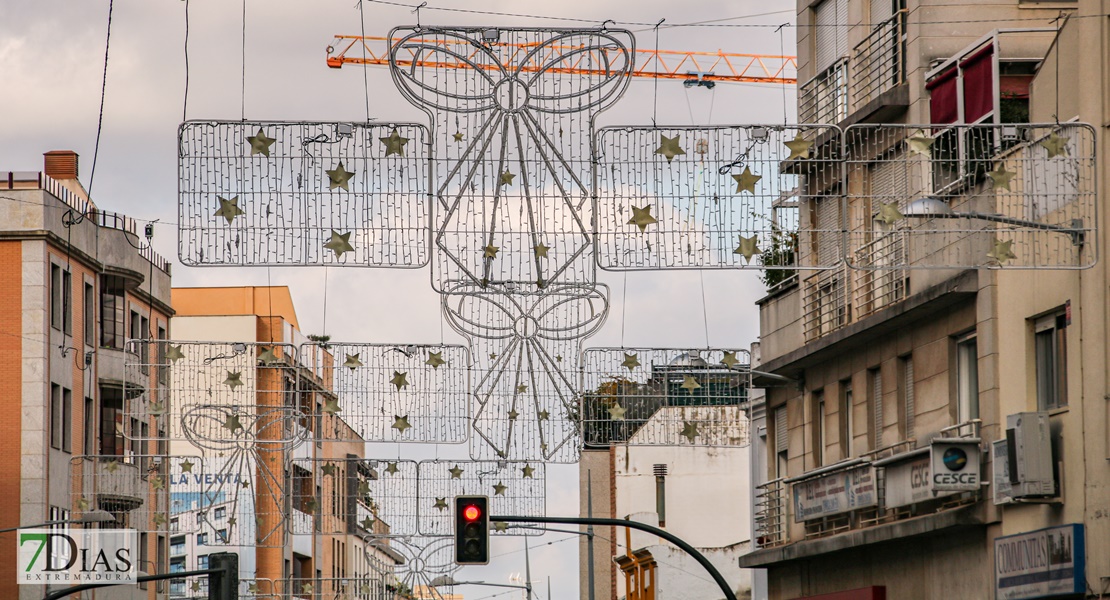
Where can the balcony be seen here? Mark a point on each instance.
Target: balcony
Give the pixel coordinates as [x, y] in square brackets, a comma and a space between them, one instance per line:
[878, 63]
[117, 486]
[880, 281]
[824, 99]
[770, 514]
[825, 303]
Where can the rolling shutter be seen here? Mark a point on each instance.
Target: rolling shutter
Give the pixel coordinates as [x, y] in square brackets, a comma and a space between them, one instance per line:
[780, 430]
[910, 410]
[877, 403]
[881, 10]
[831, 33]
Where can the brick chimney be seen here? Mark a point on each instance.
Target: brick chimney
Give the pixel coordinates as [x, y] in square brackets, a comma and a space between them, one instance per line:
[60, 164]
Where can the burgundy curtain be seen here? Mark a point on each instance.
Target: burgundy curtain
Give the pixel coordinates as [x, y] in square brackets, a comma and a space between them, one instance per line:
[942, 100]
[978, 80]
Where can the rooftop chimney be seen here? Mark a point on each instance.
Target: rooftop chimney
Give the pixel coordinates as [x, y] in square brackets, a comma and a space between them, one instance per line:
[60, 164]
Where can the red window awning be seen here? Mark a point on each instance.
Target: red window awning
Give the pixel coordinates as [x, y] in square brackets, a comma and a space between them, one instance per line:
[977, 74]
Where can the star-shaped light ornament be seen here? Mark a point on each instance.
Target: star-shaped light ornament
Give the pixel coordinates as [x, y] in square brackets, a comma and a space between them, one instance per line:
[252, 588]
[690, 384]
[631, 361]
[229, 209]
[400, 380]
[234, 379]
[490, 251]
[367, 523]
[364, 488]
[83, 504]
[499, 489]
[889, 213]
[245, 483]
[513, 415]
[920, 143]
[506, 178]
[174, 353]
[1055, 145]
[159, 519]
[328, 470]
[1002, 251]
[616, 412]
[747, 247]
[331, 406]
[540, 250]
[689, 431]
[799, 147]
[456, 472]
[352, 361]
[458, 136]
[641, 217]
[195, 586]
[157, 482]
[311, 505]
[729, 360]
[1000, 178]
[669, 147]
[260, 144]
[527, 471]
[435, 359]
[441, 504]
[232, 424]
[745, 181]
[232, 521]
[307, 588]
[267, 357]
[520, 389]
[339, 243]
[339, 177]
[112, 466]
[401, 423]
[157, 409]
[543, 415]
[392, 468]
[394, 144]
[500, 526]
[187, 466]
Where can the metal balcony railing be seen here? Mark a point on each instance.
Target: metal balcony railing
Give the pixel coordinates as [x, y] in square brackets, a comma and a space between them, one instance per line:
[885, 283]
[770, 514]
[825, 303]
[824, 99]
[878, 62]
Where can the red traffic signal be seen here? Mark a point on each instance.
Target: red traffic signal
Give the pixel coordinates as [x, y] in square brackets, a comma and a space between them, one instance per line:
[471, 530]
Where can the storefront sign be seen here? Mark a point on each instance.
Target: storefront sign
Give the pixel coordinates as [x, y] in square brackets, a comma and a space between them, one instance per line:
[1000, 472]
[955, 465]
[835, 493]
[909, 482]
[1040, 564]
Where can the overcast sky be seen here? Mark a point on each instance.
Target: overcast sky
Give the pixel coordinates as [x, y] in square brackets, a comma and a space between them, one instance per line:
[51, 61]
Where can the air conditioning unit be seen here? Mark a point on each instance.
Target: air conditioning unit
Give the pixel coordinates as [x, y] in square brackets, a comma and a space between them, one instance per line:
[1029, 449]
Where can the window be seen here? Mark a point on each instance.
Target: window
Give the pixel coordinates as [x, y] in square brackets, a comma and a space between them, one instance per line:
[112, 441]
[56, 416]
[111, 311]
[1050, 348]
[177, 565]
[59, 553]
[830, 34]
[781, 449]
[875, 377]
[90, 315]
[906, 394]
[200, 517]
[175, 525]
[55, 296]
[202, 538]
[221, 535]
[202, 561]
[847, 431]
[144, 554]
[89, 429]
[820, 435]
[67, 420]
[163, 368]
[221, 512]
[967, 379]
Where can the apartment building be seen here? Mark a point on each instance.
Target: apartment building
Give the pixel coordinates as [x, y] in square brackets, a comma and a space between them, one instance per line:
[303, 528]
[79, 283]
[941, 431]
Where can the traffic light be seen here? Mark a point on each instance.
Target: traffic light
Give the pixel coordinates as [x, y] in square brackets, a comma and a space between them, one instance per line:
[471, 530]
[224, 585]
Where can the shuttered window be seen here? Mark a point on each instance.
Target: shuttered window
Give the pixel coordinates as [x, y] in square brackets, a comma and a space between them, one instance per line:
[831, 32]
[828, 230]
[889, 181]
[908, 395]
[881, 10]
[877, 407]
[780, 430]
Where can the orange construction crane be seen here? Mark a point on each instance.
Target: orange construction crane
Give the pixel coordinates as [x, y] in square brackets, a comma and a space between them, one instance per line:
[694, 68]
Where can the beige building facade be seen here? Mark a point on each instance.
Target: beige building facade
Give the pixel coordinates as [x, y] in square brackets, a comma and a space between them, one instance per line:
[944, 430]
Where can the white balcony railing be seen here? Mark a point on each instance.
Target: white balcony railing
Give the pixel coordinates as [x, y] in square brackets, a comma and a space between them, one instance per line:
[824, 99]
[878, 62]
[770, 514]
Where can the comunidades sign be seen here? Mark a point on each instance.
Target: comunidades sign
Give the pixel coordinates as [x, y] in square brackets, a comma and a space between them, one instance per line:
[1040, 564]
[106, 556]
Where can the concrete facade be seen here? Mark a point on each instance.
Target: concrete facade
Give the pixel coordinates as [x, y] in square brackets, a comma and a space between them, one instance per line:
[910, 348]
[61, 356]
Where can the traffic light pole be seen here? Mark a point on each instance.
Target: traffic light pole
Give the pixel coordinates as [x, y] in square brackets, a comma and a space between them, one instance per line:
[698, 556]
[223, 581]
